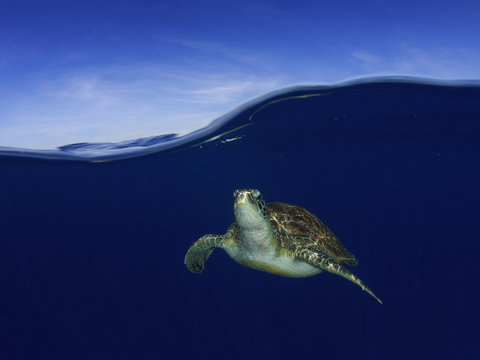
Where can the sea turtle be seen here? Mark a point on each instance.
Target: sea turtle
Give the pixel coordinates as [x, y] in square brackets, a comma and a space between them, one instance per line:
[278, 238]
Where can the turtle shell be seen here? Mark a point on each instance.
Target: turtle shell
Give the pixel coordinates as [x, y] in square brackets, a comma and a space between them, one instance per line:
[291, 220]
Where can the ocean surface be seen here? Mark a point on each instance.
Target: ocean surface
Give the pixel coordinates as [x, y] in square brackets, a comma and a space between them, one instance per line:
[93, 236]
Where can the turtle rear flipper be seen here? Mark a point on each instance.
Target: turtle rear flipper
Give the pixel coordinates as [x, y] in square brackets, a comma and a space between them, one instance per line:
[352, 261]
[201, 250]
[326, 263]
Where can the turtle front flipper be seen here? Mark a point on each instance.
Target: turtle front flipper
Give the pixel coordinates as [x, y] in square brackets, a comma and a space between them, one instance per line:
[326, 263]
[200, 251]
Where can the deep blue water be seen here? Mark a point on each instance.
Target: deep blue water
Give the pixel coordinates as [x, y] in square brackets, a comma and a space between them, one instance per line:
[91, 254]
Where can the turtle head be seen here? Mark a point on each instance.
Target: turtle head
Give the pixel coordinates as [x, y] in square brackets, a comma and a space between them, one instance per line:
[250, 209]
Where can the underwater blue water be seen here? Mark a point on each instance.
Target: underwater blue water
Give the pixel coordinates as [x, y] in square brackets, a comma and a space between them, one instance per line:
[91, 250]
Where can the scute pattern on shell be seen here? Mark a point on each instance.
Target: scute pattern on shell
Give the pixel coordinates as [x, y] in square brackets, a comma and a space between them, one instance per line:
[292, 221]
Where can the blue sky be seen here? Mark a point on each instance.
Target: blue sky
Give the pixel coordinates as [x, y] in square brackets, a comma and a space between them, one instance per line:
[75, 71]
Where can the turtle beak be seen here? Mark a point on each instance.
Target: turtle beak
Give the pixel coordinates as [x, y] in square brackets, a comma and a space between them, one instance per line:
[242, 203]
[241, 197]
[246, 212]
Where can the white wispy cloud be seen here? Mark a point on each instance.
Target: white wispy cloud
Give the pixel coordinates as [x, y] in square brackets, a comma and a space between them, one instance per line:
[123, 102]
[406, 59]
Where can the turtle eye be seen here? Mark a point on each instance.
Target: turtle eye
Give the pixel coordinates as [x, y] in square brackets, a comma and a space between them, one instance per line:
[235, 193]
[255, 193]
